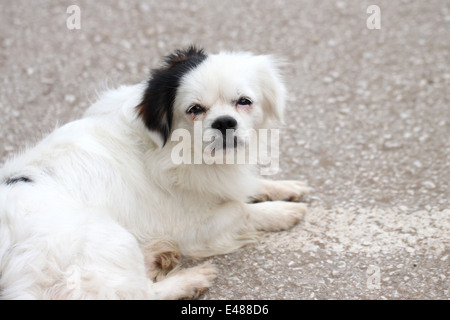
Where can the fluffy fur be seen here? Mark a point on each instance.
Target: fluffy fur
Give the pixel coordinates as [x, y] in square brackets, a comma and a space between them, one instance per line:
[98, 209]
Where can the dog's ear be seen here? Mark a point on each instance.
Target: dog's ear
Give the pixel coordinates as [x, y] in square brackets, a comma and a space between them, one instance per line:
[156, 108]
[272, 88]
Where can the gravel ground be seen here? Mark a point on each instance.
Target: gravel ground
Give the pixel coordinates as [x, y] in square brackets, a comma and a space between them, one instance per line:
[368, 125]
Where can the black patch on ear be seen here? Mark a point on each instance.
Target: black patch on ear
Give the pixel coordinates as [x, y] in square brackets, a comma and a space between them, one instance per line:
[156, 108]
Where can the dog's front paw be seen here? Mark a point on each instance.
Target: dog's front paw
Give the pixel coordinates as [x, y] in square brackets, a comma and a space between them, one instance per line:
[290, 190]
[275, 215]
[289, 214]
[284, 190]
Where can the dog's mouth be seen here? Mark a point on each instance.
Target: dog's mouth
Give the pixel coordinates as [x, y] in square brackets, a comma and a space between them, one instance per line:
[230, 143]
[225, 144]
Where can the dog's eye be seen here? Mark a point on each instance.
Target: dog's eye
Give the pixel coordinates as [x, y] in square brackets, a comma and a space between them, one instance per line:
[244, 101]
[195, 109]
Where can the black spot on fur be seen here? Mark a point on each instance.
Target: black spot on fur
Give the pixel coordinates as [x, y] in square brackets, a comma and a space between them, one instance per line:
[156, 108]
[14, 180]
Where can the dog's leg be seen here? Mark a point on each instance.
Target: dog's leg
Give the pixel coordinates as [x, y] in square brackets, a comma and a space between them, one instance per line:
[185, 283]
[274, 215]
[161, 257]
[235, 224]
[287, 190]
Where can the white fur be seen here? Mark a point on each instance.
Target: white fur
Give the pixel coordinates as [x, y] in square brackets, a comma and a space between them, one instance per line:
[103, 187]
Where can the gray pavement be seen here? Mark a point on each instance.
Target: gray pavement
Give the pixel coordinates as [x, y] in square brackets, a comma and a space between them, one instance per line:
[368, 125]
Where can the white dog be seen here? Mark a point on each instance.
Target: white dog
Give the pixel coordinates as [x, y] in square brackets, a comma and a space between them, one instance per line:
[98, 209]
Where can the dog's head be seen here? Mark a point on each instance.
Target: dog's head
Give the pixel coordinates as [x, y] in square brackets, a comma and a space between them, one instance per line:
[226, 93]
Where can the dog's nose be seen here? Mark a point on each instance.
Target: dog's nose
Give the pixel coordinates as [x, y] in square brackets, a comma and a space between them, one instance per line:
[224, 123]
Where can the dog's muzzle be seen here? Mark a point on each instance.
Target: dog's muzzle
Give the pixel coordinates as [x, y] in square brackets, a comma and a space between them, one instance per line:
[227, 126]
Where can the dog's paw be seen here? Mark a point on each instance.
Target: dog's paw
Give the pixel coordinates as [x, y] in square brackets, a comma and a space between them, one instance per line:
[275, 215]
[289, 214]
[294, 212]
[290, 190]
[185, 283]
[284, 190]
[198, 279]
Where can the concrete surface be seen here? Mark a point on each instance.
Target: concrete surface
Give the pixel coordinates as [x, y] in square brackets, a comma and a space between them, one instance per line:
[368, 125]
